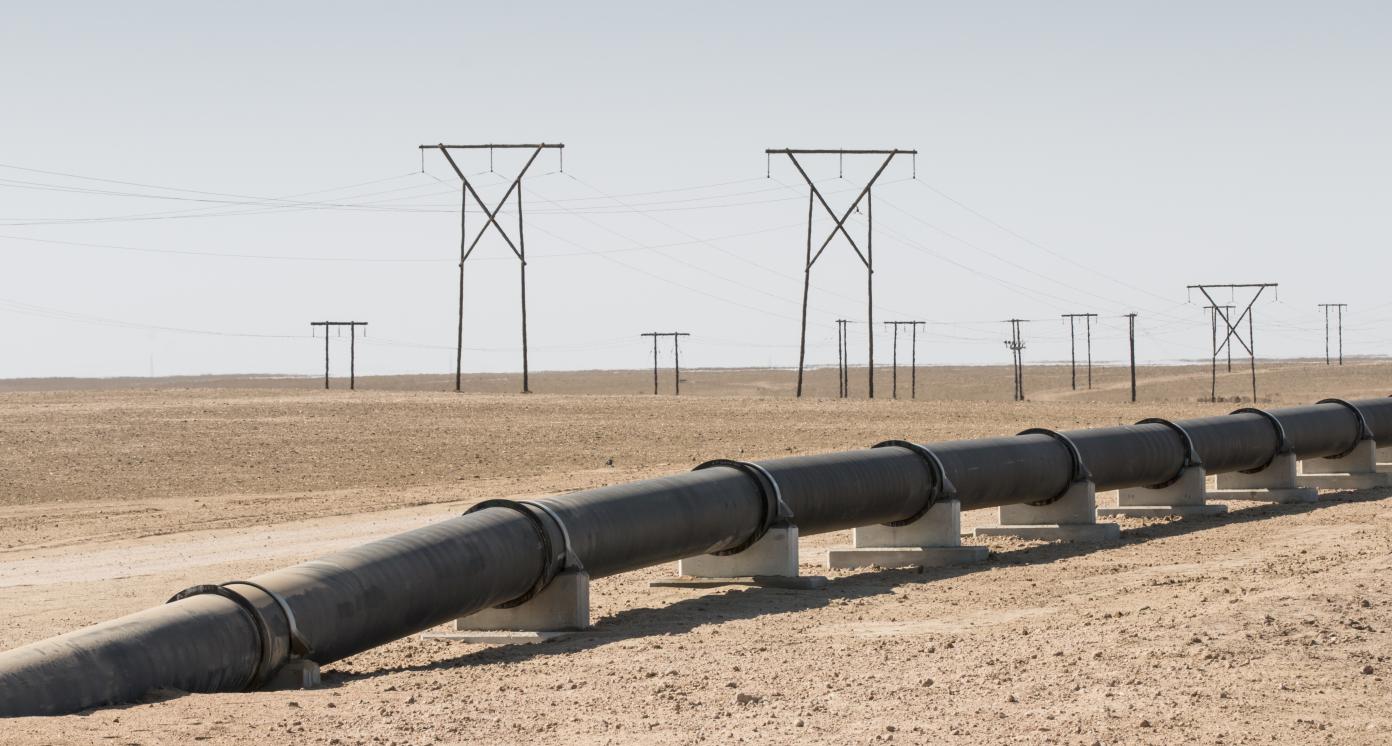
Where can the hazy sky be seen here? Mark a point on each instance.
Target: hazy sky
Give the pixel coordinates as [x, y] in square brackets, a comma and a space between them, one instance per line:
[249, 167]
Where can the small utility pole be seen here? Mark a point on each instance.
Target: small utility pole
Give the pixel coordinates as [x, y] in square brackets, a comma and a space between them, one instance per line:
[913, 357]
[352, 347]
[1073, 345]
[843, 351]
[1131, 323]
[1340, 307]
[676, 357]
[466, 247]
[1016, 344]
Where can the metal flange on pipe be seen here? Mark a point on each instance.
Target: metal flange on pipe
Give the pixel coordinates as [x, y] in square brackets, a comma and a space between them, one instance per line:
[236, 636]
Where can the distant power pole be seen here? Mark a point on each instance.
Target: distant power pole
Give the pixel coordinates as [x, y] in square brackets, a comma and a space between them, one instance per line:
[843, 369]
[1234, 328]
[1340, 307]
[1131, 323]
[1016, 344]
[676, 357]
[1073, 345]
[352, 347]
[867, 257]
[913, 357]
[466, 247]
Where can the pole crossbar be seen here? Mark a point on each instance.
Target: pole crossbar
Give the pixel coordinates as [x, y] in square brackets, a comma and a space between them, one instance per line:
[493, 146]
[352, 348]
[1233, 329]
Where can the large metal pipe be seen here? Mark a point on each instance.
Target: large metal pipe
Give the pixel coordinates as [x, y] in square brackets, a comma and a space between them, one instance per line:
[237, 637]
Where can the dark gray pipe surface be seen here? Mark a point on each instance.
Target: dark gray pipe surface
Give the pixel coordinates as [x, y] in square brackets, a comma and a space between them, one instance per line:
[360, 598]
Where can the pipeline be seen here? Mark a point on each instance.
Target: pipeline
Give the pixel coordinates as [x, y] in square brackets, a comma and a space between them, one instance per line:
[236, 636]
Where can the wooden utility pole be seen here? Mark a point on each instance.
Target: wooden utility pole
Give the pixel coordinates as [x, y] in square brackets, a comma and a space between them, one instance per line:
[1340, 307]
[913, 357]
[1131, 324]
[1234, 328]
[1073, 345]
[1213, 311]
[843, 370]
[867, 257]
[676, 357]
[466, 247]
[1016, 344]
[352, 347]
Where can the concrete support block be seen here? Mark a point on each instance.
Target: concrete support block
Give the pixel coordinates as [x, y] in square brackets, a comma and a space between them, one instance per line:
[1358, 470]
[1276, 483]
[1185, 498]
[1072, 517]
[771, 561]
[934, 540]
[297, 674]
[1384, 458]
[1361, 460]
[561, 608]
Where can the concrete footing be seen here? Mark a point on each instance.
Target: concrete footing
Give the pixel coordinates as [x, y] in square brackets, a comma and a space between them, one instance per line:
[297, 674]
[560, 609]
[1072, 517]
[772, 561]
[1384, 458]
[934, 540]
[1276, 484]
[1356, 470]
[1185, 498]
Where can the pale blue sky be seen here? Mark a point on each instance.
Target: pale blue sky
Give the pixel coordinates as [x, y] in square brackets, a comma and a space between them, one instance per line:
[1131, 147]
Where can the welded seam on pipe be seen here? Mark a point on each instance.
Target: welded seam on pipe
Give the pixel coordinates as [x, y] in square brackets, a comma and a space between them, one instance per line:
[1191, 454]
[265, 667]
[939, 486]
[1364, 433]
[1079, 471]
[549, 566]
[1283, 444]
[775, 511]
[299, 646]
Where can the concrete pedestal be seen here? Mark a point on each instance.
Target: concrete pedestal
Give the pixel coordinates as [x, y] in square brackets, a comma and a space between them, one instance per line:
[1185, 498]
[1072, 517]
[561, 608]
[934, 540]
[1384, 458]
[297, 674]
[1358, 470]
[771, 561]
[1276, 483]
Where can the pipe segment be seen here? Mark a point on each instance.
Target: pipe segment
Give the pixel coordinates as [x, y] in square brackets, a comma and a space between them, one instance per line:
[363, 597]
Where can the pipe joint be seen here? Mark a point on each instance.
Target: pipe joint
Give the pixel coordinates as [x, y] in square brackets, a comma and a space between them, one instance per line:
[1364, 432]
[939, 486]
[267, 663]
[553, 558]
[1078, 471]
[1191, 455]
[775, 511]
[1283, 444]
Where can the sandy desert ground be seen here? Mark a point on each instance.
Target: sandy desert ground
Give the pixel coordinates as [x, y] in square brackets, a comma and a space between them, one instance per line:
[1269, 625]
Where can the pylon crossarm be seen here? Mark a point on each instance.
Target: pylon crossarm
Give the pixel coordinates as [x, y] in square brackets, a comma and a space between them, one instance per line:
[493, 215]
[840, 223]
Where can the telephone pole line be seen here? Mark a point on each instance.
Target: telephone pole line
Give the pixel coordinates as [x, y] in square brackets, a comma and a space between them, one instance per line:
[676, 357]
[1016, 344]
[1234, 328]
[1340, 307]
[867, 257]
[1131, 324]
[466, 247]
[1073, 345]
[913, 358]
[352, 347]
